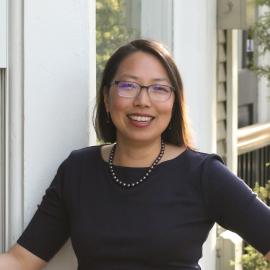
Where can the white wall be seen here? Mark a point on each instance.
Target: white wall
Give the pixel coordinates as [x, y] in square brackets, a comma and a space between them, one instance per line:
[56, 95]
[195, 53]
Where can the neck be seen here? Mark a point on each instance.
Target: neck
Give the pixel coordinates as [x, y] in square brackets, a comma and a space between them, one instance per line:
[136, 154]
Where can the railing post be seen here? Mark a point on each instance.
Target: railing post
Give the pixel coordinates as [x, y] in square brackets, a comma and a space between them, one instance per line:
[232, 99]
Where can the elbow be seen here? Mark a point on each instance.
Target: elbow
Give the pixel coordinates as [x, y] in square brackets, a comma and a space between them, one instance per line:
[8, 261]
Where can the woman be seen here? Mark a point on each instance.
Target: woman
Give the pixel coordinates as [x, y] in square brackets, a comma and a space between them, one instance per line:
[149, 200]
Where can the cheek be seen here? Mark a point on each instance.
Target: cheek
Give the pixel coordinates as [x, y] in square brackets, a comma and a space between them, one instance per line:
[167, 109]
[118, 105]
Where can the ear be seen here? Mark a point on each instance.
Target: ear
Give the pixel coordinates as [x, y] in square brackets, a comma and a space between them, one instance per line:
[106, 99]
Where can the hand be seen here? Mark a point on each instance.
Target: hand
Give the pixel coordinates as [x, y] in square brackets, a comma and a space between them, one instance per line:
[267, 256]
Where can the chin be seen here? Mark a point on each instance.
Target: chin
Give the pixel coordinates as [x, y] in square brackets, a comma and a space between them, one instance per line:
[142, 139]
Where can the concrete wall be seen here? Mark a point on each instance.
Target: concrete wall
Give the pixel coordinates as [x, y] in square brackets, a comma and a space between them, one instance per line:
[195, 53]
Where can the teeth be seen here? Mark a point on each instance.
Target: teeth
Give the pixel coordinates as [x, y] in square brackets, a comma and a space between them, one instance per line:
[141, 118]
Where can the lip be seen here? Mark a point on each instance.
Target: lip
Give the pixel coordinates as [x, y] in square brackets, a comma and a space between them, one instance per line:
[143, 123]
[141, 114]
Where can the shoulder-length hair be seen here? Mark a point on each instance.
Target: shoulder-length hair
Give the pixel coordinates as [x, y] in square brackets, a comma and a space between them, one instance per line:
[177, 132]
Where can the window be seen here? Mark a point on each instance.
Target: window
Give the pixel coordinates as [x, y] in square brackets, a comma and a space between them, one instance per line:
[118, 21]
[247, 82]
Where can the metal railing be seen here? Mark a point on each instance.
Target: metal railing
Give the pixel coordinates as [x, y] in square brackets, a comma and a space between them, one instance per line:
[254, 154]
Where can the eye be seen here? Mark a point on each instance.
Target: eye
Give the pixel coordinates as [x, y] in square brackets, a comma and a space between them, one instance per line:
[127, 85]
[158, 88]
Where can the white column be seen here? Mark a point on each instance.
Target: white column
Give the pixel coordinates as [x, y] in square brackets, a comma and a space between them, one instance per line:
[2, 160]
[48, 102]
[195, 53]
[232, 99]
[92, 71]
[3, 65]
[3, 33]
[14, 126]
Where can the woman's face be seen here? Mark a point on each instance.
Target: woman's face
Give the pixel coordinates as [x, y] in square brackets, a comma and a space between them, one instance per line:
[139, 119]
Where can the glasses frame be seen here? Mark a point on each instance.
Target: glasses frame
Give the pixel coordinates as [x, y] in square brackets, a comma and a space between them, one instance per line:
[116, 82]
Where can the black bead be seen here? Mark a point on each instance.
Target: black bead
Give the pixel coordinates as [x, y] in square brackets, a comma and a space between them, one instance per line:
[144, 178]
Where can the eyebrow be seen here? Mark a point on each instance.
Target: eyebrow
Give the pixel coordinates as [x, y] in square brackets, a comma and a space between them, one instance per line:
[129, 76]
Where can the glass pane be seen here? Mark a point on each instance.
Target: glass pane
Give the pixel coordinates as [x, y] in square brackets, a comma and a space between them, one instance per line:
[117, 22]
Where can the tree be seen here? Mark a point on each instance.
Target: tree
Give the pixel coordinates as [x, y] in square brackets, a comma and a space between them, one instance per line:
[261, 33]
[111, 30]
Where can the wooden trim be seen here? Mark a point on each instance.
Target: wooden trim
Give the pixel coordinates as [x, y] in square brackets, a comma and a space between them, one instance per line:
[2, 159]
[221, 97]
[92, 69]
[14, 134]
[232, 98]
[253, 137]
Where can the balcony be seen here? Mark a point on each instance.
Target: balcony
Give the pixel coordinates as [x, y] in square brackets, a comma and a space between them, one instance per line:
[254, 154]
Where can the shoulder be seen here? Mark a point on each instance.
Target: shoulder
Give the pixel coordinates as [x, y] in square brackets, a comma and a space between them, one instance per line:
[79, 163]
[196, 154]
[194, 164]
[202, 160]
[82, 155]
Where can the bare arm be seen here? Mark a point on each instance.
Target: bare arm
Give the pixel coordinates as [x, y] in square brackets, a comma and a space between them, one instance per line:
[267, 256]
[18, 258]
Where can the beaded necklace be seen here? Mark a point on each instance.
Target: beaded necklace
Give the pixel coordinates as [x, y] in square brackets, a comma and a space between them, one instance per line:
[143, 178]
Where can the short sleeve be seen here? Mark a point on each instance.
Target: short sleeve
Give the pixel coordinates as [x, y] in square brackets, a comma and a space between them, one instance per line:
[233, 205]
[49, 228]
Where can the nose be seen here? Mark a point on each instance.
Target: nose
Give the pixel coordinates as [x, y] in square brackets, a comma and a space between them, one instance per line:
[142, 99]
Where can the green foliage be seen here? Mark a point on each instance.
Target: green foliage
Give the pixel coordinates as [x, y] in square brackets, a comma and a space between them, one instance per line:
[252, 259]
[263, 192]
[111, 30]
[263, 2]
[261, 33]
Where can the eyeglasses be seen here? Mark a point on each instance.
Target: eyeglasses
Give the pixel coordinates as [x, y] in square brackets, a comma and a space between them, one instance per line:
[156, 92]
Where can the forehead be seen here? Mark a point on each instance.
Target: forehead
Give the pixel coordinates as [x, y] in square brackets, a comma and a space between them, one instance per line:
[142, 65]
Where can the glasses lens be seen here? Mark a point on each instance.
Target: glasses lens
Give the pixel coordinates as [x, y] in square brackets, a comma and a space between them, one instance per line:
[160, 92]
[127, 89]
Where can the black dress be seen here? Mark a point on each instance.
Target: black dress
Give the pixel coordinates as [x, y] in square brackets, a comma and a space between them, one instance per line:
[159, 224]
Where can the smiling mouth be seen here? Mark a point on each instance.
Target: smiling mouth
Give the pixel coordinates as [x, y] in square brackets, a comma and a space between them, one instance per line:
[141, 118]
